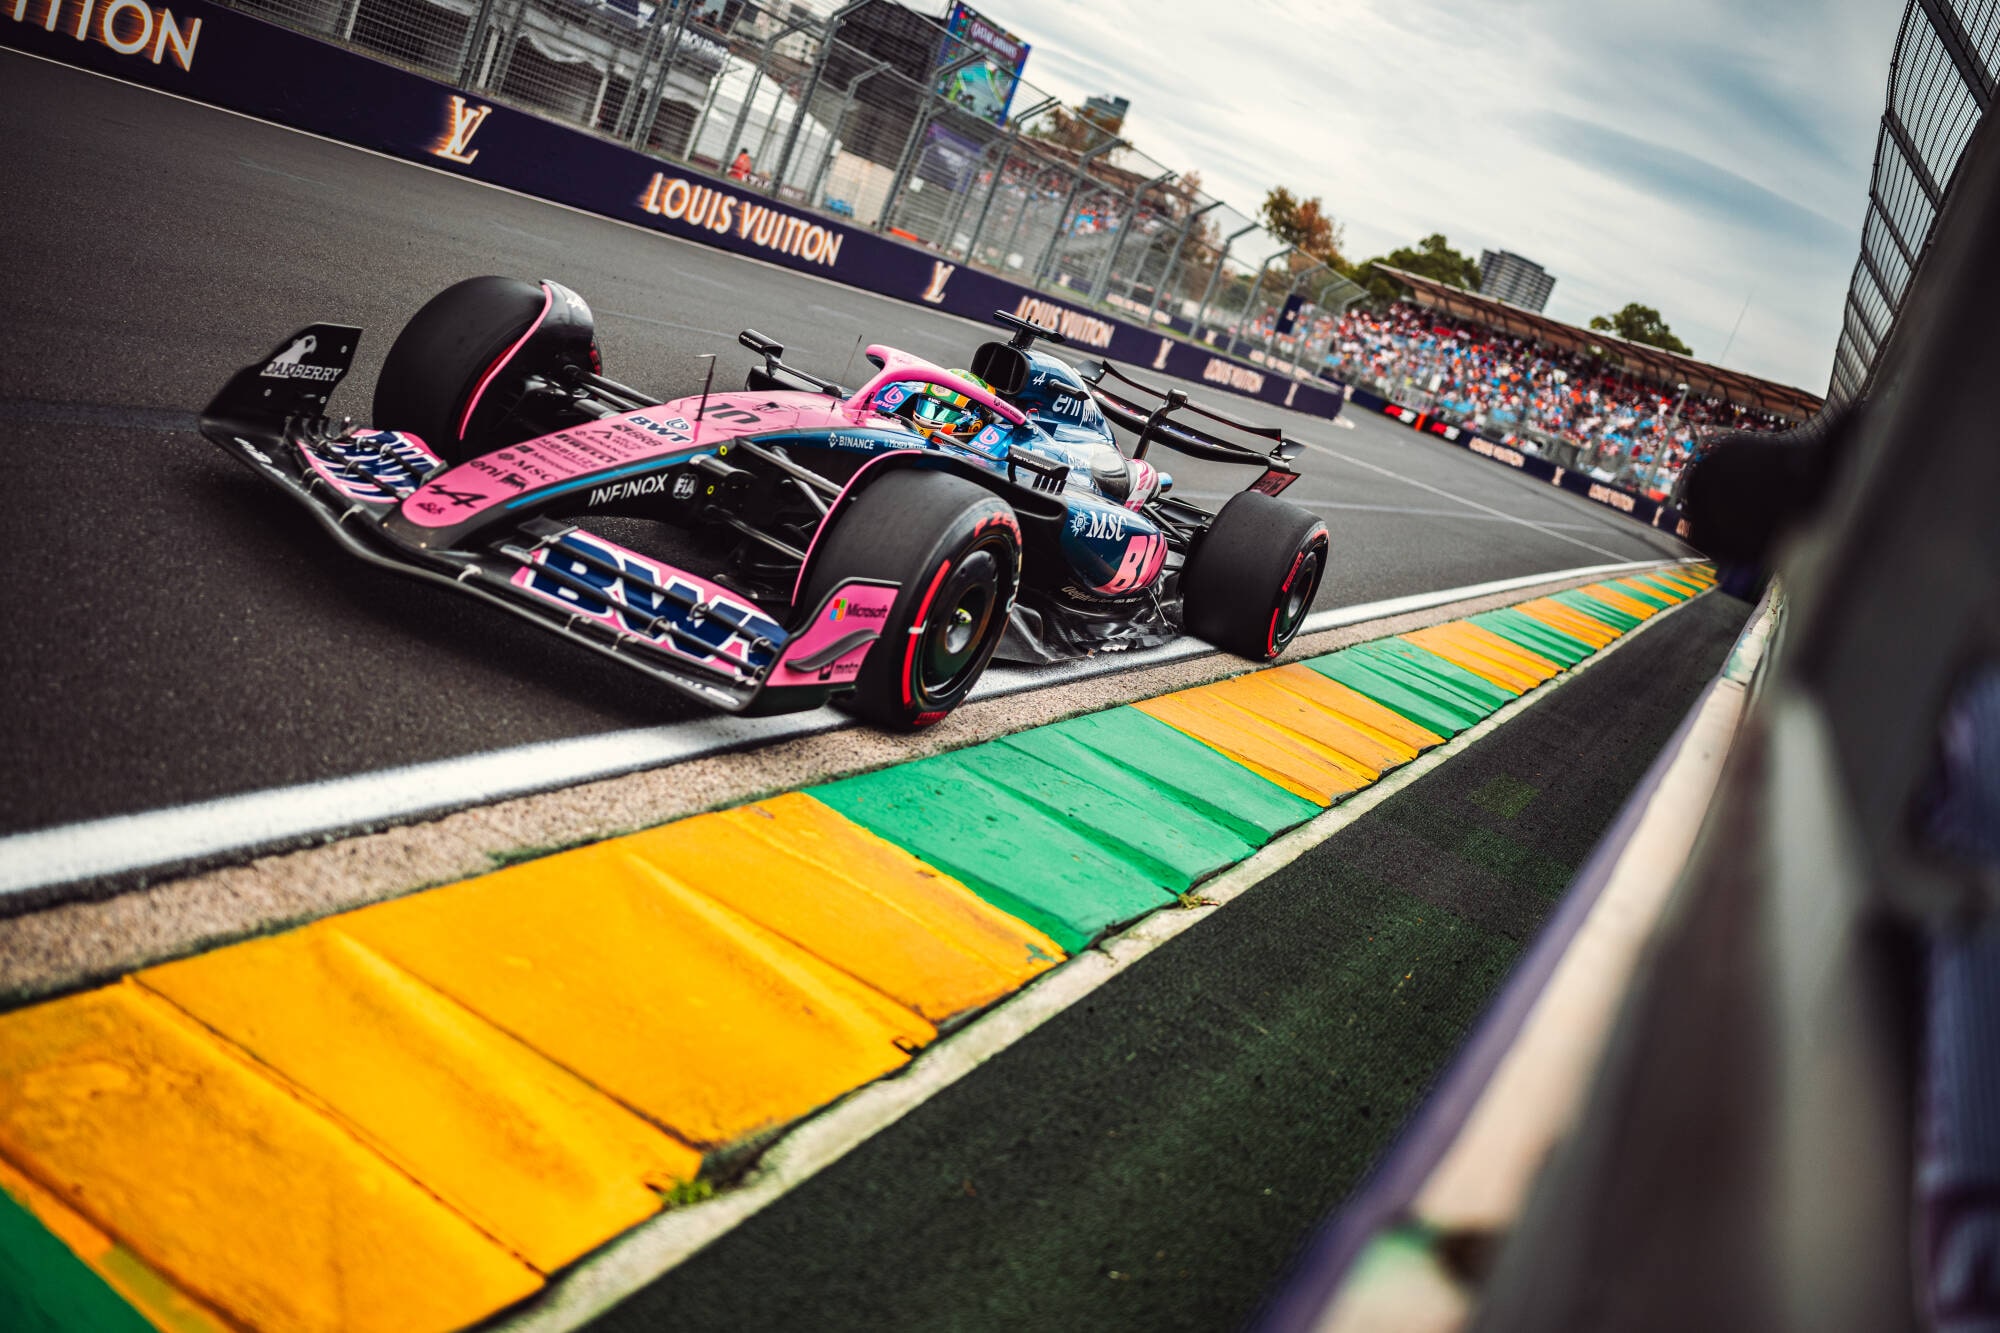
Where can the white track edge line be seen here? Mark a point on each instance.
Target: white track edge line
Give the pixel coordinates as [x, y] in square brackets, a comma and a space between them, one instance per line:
[655, 1247]
[177, 835]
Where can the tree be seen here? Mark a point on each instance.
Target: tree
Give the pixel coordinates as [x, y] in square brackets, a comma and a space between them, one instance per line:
[1431, 258]
[1303, 223]
[1641, 324]
[1076, 128]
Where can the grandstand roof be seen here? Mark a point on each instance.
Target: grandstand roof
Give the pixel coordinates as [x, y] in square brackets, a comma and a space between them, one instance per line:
[1638, 359]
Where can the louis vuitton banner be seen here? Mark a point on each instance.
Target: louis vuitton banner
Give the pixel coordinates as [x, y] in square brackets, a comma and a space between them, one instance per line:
[227, 58]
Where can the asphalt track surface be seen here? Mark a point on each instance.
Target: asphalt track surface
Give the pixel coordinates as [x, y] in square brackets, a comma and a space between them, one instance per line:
[1154, 1156]
[174, 631]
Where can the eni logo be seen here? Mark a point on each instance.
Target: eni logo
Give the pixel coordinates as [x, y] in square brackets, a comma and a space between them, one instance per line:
[128, 27]
[940, 274]
[455, 144]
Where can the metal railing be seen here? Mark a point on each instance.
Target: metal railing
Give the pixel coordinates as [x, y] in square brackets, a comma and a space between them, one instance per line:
[884, 118]
[1941, 82]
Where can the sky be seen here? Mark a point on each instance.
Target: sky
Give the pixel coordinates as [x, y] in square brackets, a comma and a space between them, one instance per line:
[1709, 159]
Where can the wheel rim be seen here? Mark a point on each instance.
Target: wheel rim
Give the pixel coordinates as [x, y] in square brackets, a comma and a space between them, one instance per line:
[956, 626]
[1297, 599]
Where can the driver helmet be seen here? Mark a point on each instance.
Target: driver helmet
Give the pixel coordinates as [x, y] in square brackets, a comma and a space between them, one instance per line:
[942, 412]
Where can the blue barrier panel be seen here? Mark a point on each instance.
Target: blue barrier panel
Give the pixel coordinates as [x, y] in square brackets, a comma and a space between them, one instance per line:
[228, 59]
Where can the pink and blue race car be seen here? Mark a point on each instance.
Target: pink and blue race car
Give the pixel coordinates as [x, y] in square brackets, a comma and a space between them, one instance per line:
[876, 547]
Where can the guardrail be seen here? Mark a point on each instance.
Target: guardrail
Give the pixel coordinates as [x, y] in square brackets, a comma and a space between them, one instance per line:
[221, 56]
[1941, 81]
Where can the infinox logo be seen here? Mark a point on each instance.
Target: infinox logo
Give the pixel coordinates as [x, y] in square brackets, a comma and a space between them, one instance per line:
[760, 224]
[129, 27]
[462, 121]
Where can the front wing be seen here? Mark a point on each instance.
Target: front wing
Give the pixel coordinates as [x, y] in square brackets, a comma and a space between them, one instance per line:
[683, 630]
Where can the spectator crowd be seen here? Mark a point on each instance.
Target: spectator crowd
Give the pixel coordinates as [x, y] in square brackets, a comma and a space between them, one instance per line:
[1623, 429]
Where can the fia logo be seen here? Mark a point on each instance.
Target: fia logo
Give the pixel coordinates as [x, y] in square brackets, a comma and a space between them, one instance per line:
[454, 143]
[684, 485]
[1160, 357]
[940, 274]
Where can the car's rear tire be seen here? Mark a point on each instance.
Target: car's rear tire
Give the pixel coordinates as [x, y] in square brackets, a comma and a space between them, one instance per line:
[955, 549]
[1253, 576]
[439, 359]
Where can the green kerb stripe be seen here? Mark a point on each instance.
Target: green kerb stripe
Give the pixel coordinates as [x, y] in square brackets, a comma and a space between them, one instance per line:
[46, 1289]
[1530, 633]
[1598, 609]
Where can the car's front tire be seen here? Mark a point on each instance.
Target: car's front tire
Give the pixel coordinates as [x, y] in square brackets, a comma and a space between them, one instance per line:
[955, 550]
[1251, 580]
[443, 357]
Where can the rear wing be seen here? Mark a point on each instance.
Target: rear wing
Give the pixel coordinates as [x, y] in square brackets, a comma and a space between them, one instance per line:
[1126, 405]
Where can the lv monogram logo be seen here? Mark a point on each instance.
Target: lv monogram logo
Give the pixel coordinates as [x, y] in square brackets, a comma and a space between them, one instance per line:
[465, 121]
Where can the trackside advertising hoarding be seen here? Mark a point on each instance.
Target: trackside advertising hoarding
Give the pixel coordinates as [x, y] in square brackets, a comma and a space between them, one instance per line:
[229, 59]
[1630, 503]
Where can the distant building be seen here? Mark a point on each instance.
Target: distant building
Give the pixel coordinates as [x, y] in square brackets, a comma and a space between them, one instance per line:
[1508, 277]
[1107, 112]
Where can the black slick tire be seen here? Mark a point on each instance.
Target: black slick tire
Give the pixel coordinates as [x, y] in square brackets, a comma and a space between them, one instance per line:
[441, 356]
[955, 549]
[1252, 578]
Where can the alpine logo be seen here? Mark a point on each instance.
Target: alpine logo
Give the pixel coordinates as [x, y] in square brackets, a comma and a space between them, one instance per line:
[940, 274]
[455, 144]
[289, 364]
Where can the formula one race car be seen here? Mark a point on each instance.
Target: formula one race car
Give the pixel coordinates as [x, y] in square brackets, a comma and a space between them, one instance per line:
[876, 546]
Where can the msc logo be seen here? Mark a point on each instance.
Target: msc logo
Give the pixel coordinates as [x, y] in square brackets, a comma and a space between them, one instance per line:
[455, 144]
[940, 274]
[1098, 524]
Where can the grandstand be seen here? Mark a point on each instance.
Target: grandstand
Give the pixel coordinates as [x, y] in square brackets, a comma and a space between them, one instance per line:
[1620, 411]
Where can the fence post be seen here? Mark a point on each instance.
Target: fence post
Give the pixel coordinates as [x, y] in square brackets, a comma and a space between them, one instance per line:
[1174, 257]
[642, 131]
[913, 146]
[840, 120]
[1078, 175]
[1237, 333]
[1000, 174]
[1215, 275]
[475, 42]
[1103, 279]
[826, 40]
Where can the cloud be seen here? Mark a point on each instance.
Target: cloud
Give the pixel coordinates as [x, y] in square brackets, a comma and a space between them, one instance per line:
[1682, 156]
[1682, 181]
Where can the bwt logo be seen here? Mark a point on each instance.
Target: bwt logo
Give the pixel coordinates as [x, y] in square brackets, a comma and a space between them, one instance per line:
[463, 121]
[128, 27]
